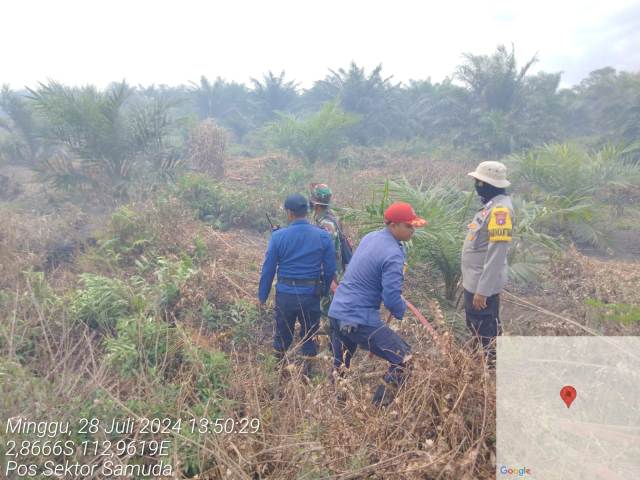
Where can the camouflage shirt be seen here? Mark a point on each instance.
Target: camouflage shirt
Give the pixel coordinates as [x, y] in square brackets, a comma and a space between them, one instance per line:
[327, 221]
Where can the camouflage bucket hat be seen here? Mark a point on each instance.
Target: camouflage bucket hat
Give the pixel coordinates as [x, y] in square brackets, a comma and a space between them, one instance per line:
[320, 194]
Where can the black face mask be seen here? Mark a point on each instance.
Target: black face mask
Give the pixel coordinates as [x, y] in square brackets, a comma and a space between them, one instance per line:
[487, 192]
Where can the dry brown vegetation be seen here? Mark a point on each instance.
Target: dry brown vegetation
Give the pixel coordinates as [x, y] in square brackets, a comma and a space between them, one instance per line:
[440, 425]
[207, 148]
[581, 277]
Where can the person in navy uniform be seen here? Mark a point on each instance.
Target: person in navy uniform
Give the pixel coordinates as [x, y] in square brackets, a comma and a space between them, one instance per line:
[304, 259]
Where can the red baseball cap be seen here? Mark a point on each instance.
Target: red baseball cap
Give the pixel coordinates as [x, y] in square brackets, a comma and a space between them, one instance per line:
[401, 212]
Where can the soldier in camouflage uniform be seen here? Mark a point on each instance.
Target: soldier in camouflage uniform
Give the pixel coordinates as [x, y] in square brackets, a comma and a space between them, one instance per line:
[484, 254]
[323, 217]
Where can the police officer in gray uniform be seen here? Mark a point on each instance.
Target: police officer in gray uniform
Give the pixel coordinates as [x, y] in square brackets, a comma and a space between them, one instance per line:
[484, 254]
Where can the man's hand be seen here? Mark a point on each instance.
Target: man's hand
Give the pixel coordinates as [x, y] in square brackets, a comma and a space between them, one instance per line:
[479, 301]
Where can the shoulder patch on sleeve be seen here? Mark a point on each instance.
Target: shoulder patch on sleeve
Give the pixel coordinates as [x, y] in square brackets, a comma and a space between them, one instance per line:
[500, 226]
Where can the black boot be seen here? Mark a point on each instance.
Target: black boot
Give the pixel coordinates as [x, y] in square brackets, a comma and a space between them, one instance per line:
[383, 396]
[308, 366]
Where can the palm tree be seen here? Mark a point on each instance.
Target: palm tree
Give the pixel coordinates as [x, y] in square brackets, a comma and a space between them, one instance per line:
[25, 146]
[580, 190]
[273, 94]
[438, 111]
[105, 135]
[494, 80]
[509, 110]
[373, 97]
[316, 137]
[227, 102]
[606, 105]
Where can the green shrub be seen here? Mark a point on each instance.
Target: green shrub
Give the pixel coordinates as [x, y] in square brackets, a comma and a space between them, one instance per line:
[280, 177]
[241, 317]
[211, 371]
[126, 235]
[29, 334]
[318, 137]
[219, 206]
[413, 147]
[201, 194]
[102, 302]
[171, 277]
[21, 388]
[200, 251]
[618, 312]
[532, 248]
[141, 344]
[580, 190]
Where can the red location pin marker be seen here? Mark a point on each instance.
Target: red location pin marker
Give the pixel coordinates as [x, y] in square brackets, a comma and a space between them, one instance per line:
[568, 394]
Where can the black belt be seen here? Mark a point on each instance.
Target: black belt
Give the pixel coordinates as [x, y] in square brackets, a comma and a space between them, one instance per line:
[311, 282]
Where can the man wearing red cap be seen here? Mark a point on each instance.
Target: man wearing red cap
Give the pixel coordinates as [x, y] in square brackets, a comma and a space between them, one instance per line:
[375, 275]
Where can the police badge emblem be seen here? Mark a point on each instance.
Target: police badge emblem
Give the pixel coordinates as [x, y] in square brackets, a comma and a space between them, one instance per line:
[501, 218]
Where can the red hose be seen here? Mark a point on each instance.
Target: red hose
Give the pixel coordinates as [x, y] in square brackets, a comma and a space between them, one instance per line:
[423, 320]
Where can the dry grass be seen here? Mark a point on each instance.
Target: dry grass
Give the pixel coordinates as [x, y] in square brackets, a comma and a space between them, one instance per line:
[31, 241]
[207, 148]
[440, 425]
[16, 253]
[351, 186]
[573, 279]
[581, 277]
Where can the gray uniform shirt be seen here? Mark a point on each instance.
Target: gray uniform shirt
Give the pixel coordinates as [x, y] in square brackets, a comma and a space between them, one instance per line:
[484, 256]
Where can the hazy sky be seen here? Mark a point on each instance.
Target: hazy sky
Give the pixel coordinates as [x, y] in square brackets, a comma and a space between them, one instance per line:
[173, 42]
